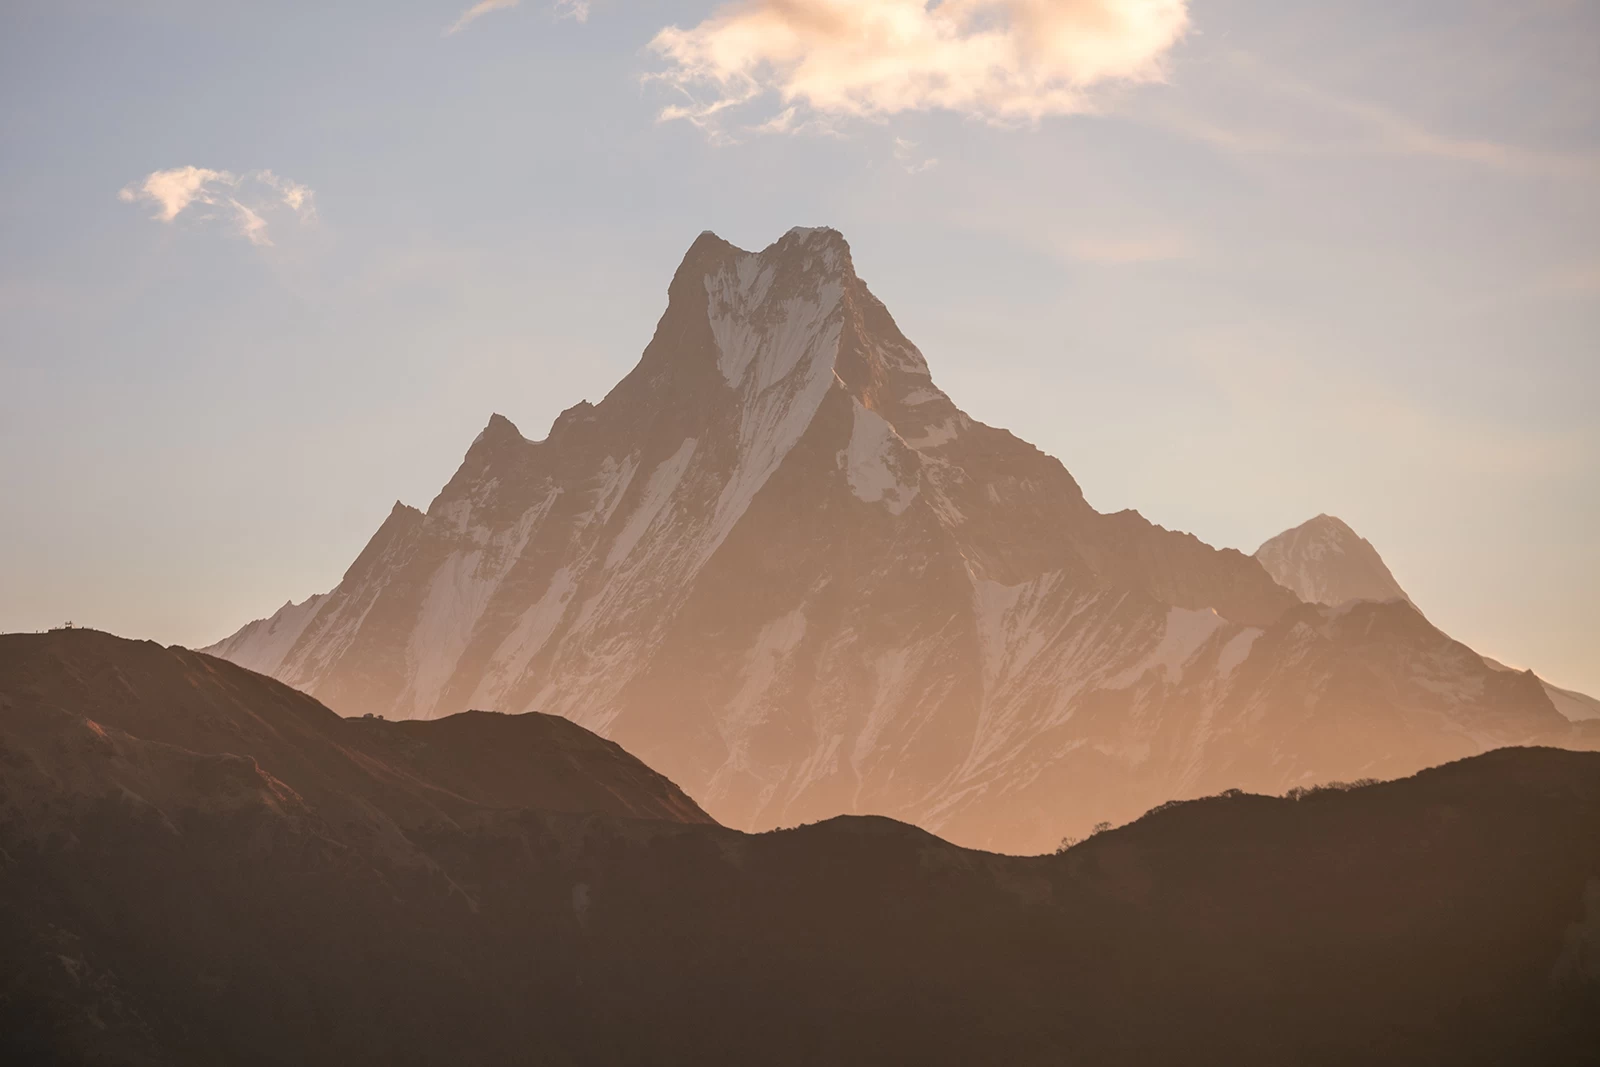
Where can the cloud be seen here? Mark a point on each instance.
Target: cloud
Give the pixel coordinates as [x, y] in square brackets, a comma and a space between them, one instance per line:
[478, 10]
[242, 201]
[789, 120]
[252, 227]
[1352, 127]
[782, 122]
[296, 197]
[998, 60]
[577, 10]
[176, 189]
[906, 155]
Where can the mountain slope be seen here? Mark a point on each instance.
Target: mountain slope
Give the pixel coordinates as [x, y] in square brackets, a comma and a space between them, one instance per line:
[1576, 706]
[165, 905]
[779, 563]
[384, 774]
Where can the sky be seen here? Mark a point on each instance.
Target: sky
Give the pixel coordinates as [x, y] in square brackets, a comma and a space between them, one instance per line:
[267, 268]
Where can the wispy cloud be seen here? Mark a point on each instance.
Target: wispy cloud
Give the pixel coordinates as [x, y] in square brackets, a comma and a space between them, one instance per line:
[252, 227]
[1353, 126]
[577, 10]
[296, 197]
[905, 153]
[997, 60]
[242, 201]
[482, 8]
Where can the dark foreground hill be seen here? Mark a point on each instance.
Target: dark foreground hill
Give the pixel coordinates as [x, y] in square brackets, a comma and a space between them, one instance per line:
[200, 866]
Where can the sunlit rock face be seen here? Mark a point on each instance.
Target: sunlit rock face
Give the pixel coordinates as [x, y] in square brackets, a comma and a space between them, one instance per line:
[779, 564]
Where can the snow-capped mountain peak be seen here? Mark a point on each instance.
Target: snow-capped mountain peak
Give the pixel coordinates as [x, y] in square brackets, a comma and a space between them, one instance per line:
[777, 562]
[1324, 561]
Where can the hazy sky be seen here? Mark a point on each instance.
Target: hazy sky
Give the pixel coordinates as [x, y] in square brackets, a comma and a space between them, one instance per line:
[1235, 262]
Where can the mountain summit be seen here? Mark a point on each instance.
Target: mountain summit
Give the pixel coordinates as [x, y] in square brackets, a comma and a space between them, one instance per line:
[779, 563]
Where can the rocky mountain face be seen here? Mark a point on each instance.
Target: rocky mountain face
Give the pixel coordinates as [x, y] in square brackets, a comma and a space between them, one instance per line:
[779, 563]
[1324, 561]
[199, 865]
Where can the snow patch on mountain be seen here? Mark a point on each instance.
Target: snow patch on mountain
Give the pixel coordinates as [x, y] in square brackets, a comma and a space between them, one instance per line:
[939, 433]
[527, 639]
[455, 598]
[750, 333]
[656, 500]
[263, 645]
[1010, 629]
[1236, 651]
[611, 485]
[892, 671]
[764, 660]
[1576, 707]
[782, 360]
[1185, 631]
[871, 463]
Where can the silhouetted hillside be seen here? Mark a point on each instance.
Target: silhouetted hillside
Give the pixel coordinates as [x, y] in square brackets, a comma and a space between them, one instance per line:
[201, 866]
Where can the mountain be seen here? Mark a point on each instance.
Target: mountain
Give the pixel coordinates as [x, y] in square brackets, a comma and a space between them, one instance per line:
[780, 564]
[152, 710]
[1324, 561]
[289, 892]
[1576, 706]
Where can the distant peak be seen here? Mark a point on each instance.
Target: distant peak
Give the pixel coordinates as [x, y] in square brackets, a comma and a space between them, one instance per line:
[500, 430]
[709, 252]
[582, 411]
[825, 242]
[709, 242]
[1332, 522]
[1323, 560]
[815, 235]
[498, 438]
[705, 255]
[1318, 529]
